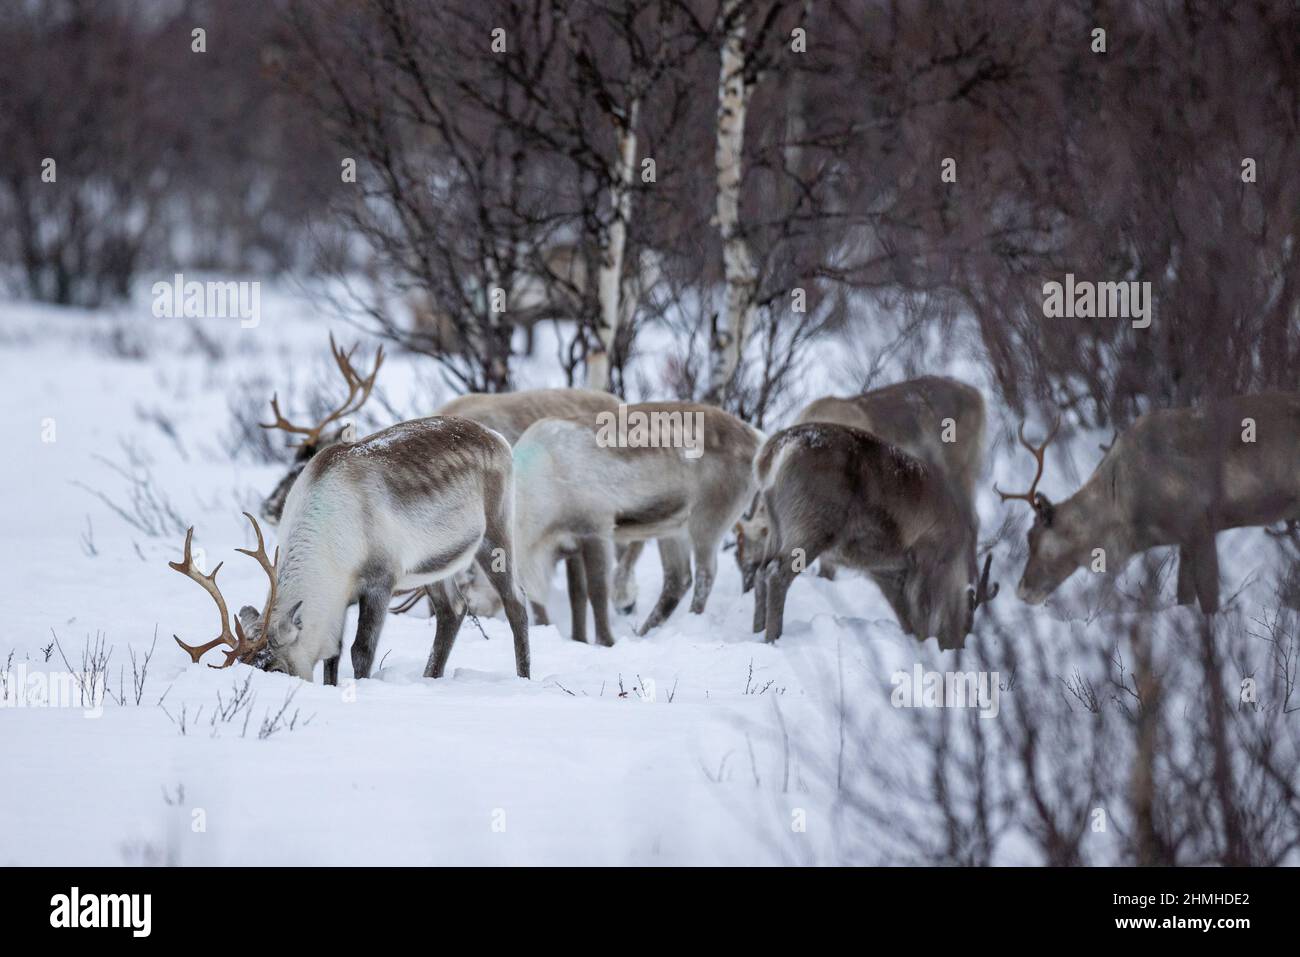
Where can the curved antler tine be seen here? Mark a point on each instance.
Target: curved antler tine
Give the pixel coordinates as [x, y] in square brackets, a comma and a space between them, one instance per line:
[244, 650]
[1008, 496]
[261, 545]
[209, 584]
[269, 566]
[1037, 451]
[285, 425]
[197, 651]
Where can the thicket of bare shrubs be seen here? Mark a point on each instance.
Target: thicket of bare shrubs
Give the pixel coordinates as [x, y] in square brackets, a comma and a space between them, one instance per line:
[1167, 739]
[522, 168]
[165, 158]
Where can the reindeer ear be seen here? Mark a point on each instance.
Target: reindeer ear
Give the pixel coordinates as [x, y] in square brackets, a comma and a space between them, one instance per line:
[1044, 508]
[248, 617]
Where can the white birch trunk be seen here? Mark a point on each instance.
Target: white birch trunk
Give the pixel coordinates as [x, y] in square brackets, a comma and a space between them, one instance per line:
[732, 325]
[609, 286]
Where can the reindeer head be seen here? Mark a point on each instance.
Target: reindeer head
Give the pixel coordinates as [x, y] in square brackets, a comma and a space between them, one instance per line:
[942, 586]
[751, 542]
[260, 637]
[247, 644]
[317, 437]
[1053, 551]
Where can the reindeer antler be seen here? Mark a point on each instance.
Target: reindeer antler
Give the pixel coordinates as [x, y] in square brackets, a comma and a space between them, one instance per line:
[241, 648]
[1037, 452]
[209, 584]
[983, 594]
[247, 649]
[359, 390]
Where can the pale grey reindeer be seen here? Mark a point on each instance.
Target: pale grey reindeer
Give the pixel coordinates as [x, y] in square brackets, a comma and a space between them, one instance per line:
[576, 491]
[836, 491]
[511, 413]
[937, 419]
[508, 413]
[408, 506]
[1174, 477]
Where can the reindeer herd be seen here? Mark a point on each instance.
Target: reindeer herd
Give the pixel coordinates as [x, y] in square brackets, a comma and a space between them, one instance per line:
[474, 506]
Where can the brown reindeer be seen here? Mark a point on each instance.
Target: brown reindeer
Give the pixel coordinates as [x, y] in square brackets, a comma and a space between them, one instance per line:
[937, 419]
[836, 491]
[1174, 477]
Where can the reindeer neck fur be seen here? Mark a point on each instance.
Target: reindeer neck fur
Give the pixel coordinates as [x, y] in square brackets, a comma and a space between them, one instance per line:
[1097, 516]
[321, 548]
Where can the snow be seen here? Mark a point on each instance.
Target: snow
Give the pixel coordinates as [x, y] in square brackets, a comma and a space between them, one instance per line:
[665, 749]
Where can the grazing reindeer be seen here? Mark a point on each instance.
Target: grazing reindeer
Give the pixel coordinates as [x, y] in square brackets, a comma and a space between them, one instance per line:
[405, 507]
[909, 415]
[508, 413]
[1174, 477]
[841, 492]
[511, 413]
[576, 491]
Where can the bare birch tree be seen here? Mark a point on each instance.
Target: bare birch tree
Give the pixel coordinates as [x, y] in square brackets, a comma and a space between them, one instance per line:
[740, 276]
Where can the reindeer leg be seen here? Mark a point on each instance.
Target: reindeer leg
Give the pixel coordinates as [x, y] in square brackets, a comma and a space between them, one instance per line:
[760, 599]
[781, 572]
[332, 670]
[779, 575]
[370, 622]
[540, 617]
[674, 553]
[451, 612]
[826, 570]
[504, 583]
[576, 577]
[595, 556]
[1186, 575]
[706, 567]
[625, 578]
[1205, 559]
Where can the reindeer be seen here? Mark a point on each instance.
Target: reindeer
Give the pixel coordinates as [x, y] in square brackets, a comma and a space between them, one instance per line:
[316, 437]
[511, 413]
[1174, 477]
[508, 413]
[576, 491]
[408, 506]
[909, 415]
[841, 492]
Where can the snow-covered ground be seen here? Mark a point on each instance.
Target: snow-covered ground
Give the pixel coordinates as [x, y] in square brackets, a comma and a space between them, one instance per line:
[688, 746]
